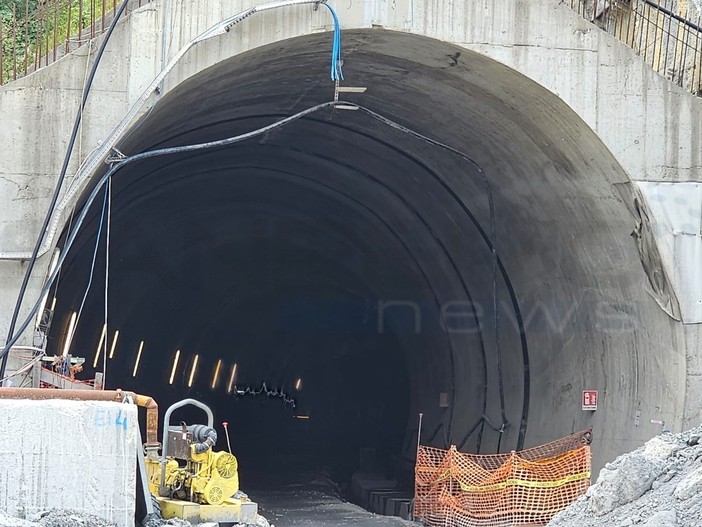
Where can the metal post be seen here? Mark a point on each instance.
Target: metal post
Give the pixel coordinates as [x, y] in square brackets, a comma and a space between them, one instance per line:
[416, 460]
[54, 31]
[40, 37]
[26, 36]
[80, 22]
[1, 57]
[14, 42]
[36, 373]
[226, 432]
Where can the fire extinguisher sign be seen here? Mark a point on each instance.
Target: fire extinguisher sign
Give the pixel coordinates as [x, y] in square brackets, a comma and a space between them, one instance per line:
[589, 400]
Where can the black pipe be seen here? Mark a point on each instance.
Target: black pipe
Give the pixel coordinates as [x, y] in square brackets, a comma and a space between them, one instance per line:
[204, 436]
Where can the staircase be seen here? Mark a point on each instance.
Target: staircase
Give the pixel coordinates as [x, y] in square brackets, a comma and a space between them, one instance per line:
[667, 34]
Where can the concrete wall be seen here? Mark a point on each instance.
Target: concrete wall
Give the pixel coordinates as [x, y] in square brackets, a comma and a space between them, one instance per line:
[76, 455]
[650, 126]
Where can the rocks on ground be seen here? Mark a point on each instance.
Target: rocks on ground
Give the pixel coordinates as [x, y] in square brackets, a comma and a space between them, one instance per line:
[657, 485]
[67, 518]
[55, 518]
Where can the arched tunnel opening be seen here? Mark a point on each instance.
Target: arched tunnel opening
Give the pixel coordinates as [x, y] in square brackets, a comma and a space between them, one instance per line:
[322, 284]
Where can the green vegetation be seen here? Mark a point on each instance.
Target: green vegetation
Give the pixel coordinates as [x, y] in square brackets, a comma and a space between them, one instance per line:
[30, 26]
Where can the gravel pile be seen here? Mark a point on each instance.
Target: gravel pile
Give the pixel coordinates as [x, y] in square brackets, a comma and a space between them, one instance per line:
[658, 485]
[65, 518]
[55, 518]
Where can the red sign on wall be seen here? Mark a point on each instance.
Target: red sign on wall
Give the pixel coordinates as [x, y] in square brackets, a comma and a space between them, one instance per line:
[590, 400]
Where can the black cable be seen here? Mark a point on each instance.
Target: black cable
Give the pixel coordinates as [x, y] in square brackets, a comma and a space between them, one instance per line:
[493, 243]
[11, 341]
[226, 142]
[59, 183]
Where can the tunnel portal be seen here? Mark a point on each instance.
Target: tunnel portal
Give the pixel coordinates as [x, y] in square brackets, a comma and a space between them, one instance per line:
[329, 280]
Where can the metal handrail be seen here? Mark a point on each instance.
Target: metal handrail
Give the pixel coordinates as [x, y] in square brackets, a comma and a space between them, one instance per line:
[166, 426]
[666, 37]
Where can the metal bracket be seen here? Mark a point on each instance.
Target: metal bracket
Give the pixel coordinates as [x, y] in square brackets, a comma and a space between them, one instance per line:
[116, 157]
[346, 89]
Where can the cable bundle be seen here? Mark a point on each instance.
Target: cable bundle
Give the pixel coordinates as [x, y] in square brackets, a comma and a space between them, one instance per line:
[336, 73]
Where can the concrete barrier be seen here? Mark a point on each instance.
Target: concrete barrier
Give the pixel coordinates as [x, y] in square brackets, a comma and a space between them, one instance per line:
[78, 455]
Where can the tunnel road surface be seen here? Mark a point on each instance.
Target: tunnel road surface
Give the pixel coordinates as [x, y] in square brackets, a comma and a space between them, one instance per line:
[306, 504]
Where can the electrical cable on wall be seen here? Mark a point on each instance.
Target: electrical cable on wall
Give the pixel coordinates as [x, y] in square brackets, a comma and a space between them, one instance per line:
[108, 192]
[98, 155]
[92, 265]
[127, 160]
[53, 215]
[61, 178]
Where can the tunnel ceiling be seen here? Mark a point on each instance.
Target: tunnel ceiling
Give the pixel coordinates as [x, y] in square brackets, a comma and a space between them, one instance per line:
[338, 236]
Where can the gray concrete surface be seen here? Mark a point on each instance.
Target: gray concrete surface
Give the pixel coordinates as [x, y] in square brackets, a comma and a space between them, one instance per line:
[291, 507]
[311, 499]
[339, 202]
[389, 218]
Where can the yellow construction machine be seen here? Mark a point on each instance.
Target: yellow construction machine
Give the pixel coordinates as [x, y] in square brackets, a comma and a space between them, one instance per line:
[192, 482]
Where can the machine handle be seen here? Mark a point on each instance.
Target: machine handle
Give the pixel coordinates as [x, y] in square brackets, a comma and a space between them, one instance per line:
[166, 425]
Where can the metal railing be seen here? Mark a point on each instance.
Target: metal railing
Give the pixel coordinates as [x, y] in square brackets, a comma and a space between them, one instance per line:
[667, 34]
[35, 33]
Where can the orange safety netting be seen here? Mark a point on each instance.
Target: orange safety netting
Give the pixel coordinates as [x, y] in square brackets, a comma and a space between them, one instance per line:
[502, 490]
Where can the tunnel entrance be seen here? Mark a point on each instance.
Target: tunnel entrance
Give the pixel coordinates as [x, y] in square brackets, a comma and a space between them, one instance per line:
[348, 266]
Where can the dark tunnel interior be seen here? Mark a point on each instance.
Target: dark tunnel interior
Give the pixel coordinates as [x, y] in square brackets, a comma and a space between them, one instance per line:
[323, 283]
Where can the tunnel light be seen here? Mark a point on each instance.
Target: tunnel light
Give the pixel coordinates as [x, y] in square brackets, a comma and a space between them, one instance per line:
[175, 366]
[53, 304]
[69, 333]
[114, 343]
[302, 417]
[138, 358]
[232, 378]
[99, 346]
[193, 368]
[298, 385]
[215, 377]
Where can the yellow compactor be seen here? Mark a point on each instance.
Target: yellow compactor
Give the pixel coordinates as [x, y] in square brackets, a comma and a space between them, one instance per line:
[192, 482]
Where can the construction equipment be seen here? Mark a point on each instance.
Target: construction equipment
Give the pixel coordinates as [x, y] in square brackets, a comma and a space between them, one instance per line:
[192, 482]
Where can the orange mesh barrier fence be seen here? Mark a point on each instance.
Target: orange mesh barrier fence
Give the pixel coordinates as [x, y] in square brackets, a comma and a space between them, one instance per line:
[454, 489]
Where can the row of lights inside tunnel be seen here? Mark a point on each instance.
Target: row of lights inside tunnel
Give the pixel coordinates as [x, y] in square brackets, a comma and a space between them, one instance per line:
[176, 359]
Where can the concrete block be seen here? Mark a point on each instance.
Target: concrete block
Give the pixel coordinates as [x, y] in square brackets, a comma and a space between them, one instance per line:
[392, 506]
[78, 455]
[380, 498]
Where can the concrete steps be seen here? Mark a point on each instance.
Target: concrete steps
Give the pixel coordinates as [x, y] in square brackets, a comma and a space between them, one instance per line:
[380, 495]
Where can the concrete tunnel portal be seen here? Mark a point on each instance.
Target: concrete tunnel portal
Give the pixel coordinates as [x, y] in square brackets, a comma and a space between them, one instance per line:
[349, 264]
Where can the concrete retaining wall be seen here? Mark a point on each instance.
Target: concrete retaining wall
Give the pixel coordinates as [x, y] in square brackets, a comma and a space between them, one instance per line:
[78, 455]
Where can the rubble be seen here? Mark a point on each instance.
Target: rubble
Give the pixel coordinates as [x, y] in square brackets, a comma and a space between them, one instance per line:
[55, 518]
[657, 485]
[67, 518]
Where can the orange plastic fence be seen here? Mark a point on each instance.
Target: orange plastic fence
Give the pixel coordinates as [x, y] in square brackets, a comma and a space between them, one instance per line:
[454, 489]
